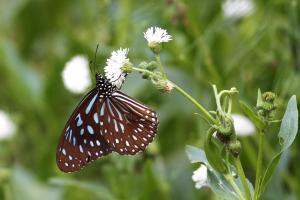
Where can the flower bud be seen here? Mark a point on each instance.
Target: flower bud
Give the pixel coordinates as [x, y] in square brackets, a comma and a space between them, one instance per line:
[127, 67]
[143, 65]
[266, 105]
[164, 86]
[145, 75]
[269, 97]
[235, 148]
[155, 47]
[226, 131]
[151, 66]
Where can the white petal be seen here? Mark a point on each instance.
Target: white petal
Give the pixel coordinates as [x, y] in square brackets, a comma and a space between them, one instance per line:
[156, 34]
[76, 75]
[7, 127]
[237, 8]
[114, 64]
[200, 176]
[242, 125]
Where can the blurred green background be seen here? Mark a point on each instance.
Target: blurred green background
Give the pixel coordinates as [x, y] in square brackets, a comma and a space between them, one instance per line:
[37, 38]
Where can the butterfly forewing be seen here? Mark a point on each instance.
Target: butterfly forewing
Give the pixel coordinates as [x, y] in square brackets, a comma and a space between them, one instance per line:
[81, 141]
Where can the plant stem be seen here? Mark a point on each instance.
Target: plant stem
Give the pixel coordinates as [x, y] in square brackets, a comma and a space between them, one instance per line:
[145, 71]
[157, 56]
[219, 108]
[243, 178]
[230, 179]
[181, 91]
[200, 107]
[259, 165]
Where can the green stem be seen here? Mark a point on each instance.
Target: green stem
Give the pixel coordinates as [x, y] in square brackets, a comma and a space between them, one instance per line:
[200, 107]
[243, 178]
[259, 165]
[181, 91]
[219, 108]
[230, 179]
[157, 56]
[229, 106]
[146, 71]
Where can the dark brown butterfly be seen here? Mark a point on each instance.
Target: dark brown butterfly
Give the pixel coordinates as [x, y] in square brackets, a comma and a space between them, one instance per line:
[106, 120]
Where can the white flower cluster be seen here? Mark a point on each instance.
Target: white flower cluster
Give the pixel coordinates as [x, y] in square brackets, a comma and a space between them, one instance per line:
[113, 69]
[237, 8]
[7, 127]
[200, 176]
[76, 74]
[157, 35]
[242, 125]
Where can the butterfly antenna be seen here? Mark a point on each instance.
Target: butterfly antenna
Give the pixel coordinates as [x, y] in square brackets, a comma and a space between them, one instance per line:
[95, 56]
[93, 62]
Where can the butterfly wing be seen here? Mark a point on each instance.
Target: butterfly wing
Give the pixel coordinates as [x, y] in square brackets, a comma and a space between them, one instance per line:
[82, 140]
[129, 126]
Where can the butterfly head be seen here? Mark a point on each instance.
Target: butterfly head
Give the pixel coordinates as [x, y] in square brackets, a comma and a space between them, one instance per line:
[104, 85]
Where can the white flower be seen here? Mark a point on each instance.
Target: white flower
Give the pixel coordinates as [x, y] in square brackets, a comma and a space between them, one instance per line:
[76, 74]
[200, 176]
[7, 127]
[242, 125]
[156, 35]
[113, 69]
[237, 8]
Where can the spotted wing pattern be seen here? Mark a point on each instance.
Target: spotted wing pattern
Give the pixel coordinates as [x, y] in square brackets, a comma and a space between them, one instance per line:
[103, 122]
[81, 142]
[128, 126]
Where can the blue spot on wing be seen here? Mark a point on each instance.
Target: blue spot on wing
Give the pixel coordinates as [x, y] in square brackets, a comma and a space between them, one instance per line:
[88, 109]
[90, 129]
[96, 119]
[79, 120]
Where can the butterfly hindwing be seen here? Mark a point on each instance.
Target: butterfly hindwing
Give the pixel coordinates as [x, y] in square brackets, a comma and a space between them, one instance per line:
[81, 141]
[134, 125]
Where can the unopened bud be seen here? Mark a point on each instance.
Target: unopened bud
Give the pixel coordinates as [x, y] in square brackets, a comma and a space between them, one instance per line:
[266, 106]
[145, 76]
[235, 148]
[269, 97]
[127, 68]
[155, 47]
[165, 86]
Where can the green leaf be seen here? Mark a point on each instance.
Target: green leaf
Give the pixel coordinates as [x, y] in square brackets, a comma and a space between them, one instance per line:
[259, 123]
[195, 155]
[259, 101]
[287, 134]
[289, 124]
[220, 186]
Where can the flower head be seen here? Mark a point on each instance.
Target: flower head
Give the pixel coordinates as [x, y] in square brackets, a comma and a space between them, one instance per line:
[242, 125]
[114, 69]
[165, 86]
[200, 176]
[237, 8]
[157, 35]
[7, 127]
[76, 74]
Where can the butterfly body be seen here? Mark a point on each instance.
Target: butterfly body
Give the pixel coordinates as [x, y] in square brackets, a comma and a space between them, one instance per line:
[106, 120]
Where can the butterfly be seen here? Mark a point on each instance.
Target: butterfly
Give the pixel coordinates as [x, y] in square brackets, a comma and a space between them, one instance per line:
[105, 121]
